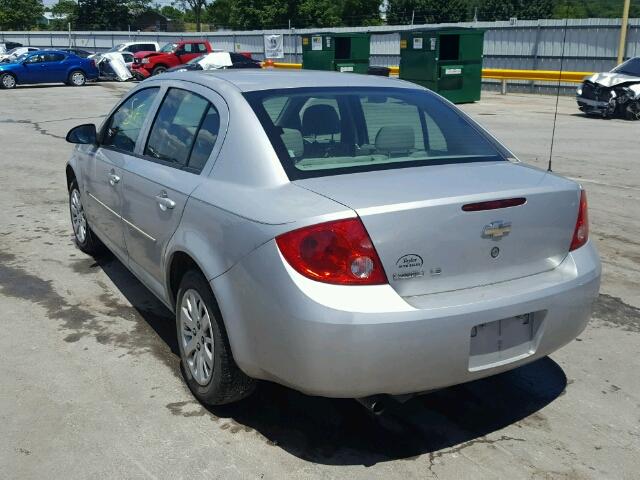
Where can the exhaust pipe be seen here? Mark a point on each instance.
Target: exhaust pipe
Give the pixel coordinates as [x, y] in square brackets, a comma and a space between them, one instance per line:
[376, 404]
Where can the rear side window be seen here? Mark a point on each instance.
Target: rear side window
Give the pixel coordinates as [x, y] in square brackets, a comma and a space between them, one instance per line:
[53, 57]
[184, 130]
[202, 48]
[123, 128]
[205, 140]
[331, 131]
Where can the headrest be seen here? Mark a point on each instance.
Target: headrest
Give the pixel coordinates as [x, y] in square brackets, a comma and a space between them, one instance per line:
[320, 120]
[292, 139]
[395, 139]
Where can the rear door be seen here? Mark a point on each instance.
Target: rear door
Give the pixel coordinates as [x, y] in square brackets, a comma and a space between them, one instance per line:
[190, 51]
[167, 168]
[54, 67]
[104, 172]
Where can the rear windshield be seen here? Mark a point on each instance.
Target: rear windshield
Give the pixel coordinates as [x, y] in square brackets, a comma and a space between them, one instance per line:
[329, 131]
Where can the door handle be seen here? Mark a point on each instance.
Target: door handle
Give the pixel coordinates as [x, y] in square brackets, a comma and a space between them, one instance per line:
[113, 179]
[165, 202]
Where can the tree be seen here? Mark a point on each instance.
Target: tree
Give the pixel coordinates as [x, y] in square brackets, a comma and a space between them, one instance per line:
[593, 9]
[20, 14]
[426, 11]
[361, 12]
[138, 7]
[171, 12]
[218, 13]
[319, 13]
[490, 10]
[196, 7]
[256, 14]
[103, 15]
[67, 11]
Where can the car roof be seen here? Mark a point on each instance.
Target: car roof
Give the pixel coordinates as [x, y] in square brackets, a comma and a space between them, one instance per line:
[51, 51]
[267, 79]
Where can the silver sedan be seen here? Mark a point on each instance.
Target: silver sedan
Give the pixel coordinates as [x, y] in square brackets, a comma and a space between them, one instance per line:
[344, 235]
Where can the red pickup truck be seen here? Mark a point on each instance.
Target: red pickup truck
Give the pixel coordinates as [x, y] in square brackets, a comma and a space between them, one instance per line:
[146, 64]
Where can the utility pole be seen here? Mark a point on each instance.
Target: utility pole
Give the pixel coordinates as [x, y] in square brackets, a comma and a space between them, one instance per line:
[623, 31]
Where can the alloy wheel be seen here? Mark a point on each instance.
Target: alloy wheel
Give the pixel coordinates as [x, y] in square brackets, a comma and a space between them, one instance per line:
[196, 336]
[77, 78]
[8, 81]
[78, 219]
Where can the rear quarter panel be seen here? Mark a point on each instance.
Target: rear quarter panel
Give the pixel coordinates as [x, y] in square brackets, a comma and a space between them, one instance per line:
[86, 65]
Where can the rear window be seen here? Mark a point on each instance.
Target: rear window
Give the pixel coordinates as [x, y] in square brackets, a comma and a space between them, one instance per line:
[330, 131]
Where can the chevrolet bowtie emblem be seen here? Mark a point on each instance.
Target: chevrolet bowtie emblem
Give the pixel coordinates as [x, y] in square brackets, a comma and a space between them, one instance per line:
[497, 229]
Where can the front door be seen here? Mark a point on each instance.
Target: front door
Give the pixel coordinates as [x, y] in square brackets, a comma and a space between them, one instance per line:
[103, 197]
[160, 179]
[105, 174]
[30, 71]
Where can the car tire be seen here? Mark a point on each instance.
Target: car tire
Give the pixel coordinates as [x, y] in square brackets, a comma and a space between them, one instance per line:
[84, 237]
[77, 78]
[8, 81]
[204, 345]
[159, 69]
[632, 110]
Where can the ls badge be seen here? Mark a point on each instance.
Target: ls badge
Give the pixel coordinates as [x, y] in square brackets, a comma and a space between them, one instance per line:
[496, 230]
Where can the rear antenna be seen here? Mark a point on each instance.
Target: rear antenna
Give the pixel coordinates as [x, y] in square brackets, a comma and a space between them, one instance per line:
[555, 114]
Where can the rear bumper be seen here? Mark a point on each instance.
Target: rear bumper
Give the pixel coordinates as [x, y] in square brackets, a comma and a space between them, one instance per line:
[338, 341]
[93, 74]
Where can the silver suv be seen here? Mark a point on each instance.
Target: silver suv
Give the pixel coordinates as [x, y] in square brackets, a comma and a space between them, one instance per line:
[344, 235]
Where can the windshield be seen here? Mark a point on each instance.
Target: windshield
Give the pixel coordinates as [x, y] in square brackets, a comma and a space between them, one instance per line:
[630, 67]
[169, 47]
[329, 131]
[117, 48]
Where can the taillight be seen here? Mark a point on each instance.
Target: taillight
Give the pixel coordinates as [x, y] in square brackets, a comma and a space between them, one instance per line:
[581, 232]
[338, 252]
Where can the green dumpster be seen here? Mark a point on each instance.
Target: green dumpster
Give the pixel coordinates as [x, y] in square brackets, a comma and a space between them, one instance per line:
[342, 52]
[447, 60]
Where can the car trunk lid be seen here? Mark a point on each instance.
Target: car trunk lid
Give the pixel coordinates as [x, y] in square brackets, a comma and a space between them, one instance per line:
[429, 244]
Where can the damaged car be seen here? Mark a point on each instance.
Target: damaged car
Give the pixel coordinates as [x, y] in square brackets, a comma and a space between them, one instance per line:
[612, 94]
[115, 66]
[218, 60]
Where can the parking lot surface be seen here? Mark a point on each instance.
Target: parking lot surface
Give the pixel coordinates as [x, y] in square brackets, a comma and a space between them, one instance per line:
[89, 379]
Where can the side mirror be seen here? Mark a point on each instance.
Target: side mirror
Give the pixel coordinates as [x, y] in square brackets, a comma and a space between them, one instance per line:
[83, 134]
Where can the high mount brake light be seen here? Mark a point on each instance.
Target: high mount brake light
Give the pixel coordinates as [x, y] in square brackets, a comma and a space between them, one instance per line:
[581, 232]
[494, 204]
[338, 252]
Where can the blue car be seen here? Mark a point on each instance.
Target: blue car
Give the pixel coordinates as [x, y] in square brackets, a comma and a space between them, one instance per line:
[48, 66]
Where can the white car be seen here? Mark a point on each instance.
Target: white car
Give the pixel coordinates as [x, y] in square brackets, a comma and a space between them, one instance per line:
[135, 47]
[15, 53]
